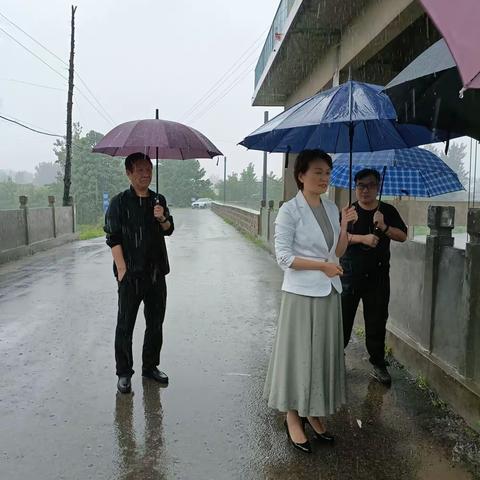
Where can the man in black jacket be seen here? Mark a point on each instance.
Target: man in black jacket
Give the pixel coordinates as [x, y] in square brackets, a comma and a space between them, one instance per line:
[136, 224]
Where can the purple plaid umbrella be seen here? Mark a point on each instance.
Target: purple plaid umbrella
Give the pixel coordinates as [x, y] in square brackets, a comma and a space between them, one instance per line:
[160, 139]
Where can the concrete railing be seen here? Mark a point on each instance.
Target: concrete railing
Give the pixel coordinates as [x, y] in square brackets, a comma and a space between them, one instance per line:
[434, 327]
[245, 219]
[26, 230]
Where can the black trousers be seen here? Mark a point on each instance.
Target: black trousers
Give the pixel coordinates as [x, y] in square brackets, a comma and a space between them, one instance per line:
[131, 292]
[374, 291]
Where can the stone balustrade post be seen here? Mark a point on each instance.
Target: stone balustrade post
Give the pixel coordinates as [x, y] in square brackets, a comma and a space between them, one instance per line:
[471, 295]
[441, 221]
[23, 199]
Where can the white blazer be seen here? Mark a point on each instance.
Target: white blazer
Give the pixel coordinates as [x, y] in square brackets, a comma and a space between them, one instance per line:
[297, 234]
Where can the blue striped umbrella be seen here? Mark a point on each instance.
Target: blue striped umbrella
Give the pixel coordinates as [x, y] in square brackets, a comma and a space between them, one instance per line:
[414, 172]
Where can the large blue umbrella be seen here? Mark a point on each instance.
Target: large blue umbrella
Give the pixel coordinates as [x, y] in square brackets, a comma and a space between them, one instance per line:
[353, 117]
[414, 172]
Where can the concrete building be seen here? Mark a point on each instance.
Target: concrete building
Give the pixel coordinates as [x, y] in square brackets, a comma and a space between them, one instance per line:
[316, 44]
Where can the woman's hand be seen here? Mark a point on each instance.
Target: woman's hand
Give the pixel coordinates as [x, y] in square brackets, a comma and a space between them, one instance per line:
[332, 269]
[349, 214]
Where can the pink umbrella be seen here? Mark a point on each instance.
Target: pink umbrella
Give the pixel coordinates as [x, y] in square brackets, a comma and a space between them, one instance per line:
[160, 139]
[458, 22]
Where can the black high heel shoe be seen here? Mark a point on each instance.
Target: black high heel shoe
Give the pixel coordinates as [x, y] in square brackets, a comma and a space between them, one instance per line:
[325, 437]
[303, 447]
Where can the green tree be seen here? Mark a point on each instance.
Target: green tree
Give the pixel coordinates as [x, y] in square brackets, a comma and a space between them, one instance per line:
[274, 187]
[37, 195]
[249, 186]
[454, 160]
[246, 188]
[46, 173]
[180, 181]
[23, 177]
[8, 195]
[92, 174]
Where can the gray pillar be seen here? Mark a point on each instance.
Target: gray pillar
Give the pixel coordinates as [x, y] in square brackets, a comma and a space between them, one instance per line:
[270, 208]
[71, 203]
[51, 204]
[263, 213]
[23, 199]
[441, 221]
[264, 177]
[471, 295]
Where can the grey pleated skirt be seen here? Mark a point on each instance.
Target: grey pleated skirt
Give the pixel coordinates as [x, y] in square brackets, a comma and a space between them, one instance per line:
[307, 368]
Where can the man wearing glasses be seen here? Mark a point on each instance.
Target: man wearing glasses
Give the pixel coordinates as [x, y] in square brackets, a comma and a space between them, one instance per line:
[366, 266]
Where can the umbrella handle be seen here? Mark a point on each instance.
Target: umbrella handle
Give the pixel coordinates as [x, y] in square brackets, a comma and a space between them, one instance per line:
[381, 185]
[350, 172]
[286, 156]
[377, 231]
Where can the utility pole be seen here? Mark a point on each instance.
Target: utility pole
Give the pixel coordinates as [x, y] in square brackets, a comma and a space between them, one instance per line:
[224, 179]
[67, 179]
[264, 183]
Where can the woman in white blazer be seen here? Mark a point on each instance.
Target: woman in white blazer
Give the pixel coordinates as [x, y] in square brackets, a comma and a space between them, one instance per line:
[306, 374]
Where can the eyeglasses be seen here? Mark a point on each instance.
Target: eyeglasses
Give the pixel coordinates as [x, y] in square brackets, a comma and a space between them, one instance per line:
[366, 186]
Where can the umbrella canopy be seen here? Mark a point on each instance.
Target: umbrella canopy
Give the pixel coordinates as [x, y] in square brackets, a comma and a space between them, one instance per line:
[156, 138]
[414, 172]
[328, 119]
[458, 23]
[353, 117]
[426, 93]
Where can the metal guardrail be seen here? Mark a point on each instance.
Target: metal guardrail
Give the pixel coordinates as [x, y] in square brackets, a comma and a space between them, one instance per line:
[274, 37]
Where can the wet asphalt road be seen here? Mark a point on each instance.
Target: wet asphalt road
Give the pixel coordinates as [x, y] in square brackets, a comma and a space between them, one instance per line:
[61, 417]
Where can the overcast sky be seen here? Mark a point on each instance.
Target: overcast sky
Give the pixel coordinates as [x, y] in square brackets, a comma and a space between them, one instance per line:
[134, 56]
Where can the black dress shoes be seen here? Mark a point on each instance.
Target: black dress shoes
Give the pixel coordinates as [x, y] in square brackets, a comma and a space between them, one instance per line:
[303, 447]
[325, 437]
[156, 375]
[380, 373]
[124, 385]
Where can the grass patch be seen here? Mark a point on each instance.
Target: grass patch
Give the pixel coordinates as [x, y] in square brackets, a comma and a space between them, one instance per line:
[424, 230]
[90, 231]
[252, 238]
[359, 332]
[422, 383]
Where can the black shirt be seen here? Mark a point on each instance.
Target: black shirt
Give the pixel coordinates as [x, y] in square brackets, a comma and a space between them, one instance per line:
[363, 259]
[129, 222]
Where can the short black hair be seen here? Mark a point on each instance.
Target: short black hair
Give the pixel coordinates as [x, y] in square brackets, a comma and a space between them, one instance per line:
[367, 172]
[134, 157]
[303, 161]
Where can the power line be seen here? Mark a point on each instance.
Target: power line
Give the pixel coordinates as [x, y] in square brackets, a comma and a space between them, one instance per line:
[29, 128]
[58, 73]
[14, 80]
[234, 67]
[31, 38]
[216, 100]
[93, 95]
[63, 62]
[33, 53]
[229, 72]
